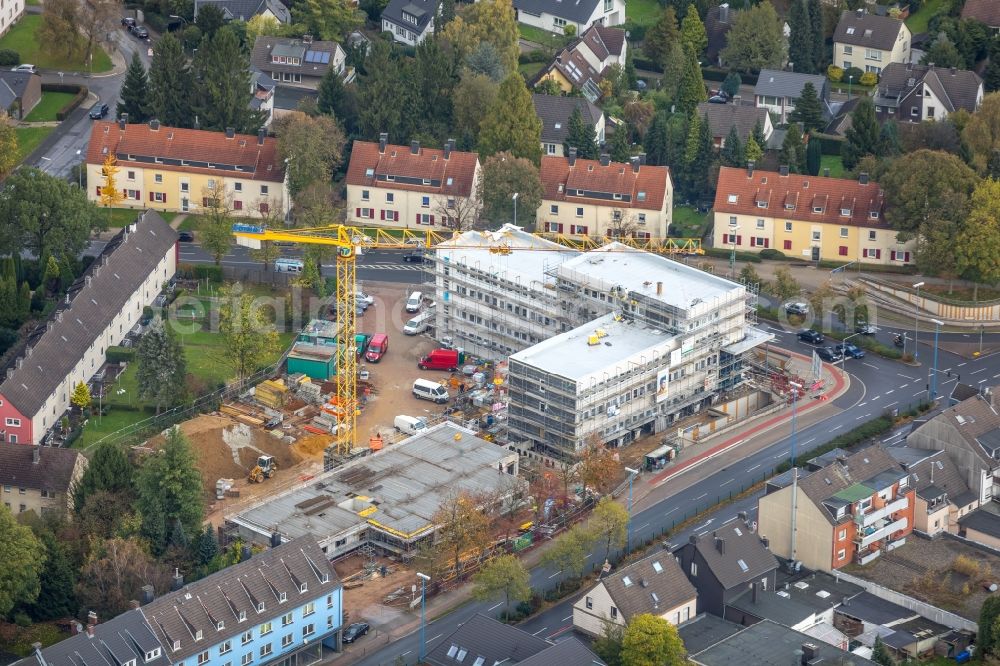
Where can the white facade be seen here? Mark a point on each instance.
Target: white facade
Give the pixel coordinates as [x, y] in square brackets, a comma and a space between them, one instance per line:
[606, 12]
[407, 35]
[11, 12]
[596, 608]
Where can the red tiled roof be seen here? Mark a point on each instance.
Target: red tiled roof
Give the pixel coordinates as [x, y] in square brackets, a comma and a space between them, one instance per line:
[401, 162]
[613, 38]
[259, 161]
[986, 11]
[739, 193]
[559, 178]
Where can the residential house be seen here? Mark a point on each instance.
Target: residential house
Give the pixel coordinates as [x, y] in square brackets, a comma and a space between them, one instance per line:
[262, 94]
[410, 21]
[554, 112]
[850, 511]
[810, 217]
[654, 585]
[484, 641]
[916, 93]
[601, 197]
[903, 631]
[982, 526]
[39, 478]
[124, 639]
[723, 117]
[244, 10]
[870, 42]
[98, 311]
[768, 643]
[555, 16]
[722, 565]
[778, 90]
[984, 11]
[20, 92]
[297, 63]
[582, 65]
[410, 186]
[11, 12]
[969, 433]
[186, 170]
[943, 497]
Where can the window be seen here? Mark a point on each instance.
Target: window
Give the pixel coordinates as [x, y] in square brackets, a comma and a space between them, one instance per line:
[915, 111]
[329, 601]
[641, 218]
[787, 245]
[366, 195]
[390, 197]
[260, 606]
[152, 654]
[614, 613]
[578, 229]
[590, 602]
[842, 251]
[237, 204]
[13, 422]
[247, 637]
[848, 50]
[841, 535]
[841, 554]
[694, 569]
[265, 650]
[608, 6]
[550, 149]
[900, 256]
[287, 639]
[286, 619]
[203, 658]
[732, 198]
[732, 222]
[247, 659]
[365, 213]
[554, 227]
[558, 22]
[158, 178]
[184, 186]
[873, 215]
[843, 232]
[265, 629]
[579, 212]
[425, 202]
[424, 218]
[815, 235]
[226, 647]
[872, 253]
[243, 616]
[308, 609]
[873, 54]
[158, 197]
[788, 227]
[308, 630]
[871, 235]
[760, 223]
[238, 187]
[282, 598]
[390, 215]
[553, 209]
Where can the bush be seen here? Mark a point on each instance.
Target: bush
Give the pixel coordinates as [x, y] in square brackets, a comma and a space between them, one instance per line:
[646, 65]
[834, 73]
[868, 79]
[9, 57]
[852, 74]
[722, 253]
[771, 253]
[120, 354]
[208, 272]
[830, 144]
[537, 55]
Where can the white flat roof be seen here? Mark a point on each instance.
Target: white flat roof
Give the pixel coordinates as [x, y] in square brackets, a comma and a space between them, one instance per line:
[570, 354]
[530, 259]
[638, 271]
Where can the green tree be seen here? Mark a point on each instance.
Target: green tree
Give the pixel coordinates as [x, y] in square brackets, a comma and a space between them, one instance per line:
[328, 19]
[170, 491]
[170, 84]
[338, 99]
[693, 34]
[463, 527]
[608, 646]
[114, 573]
[581, 135]
[262, 25]
[505, 575]
[977, 243]
[56, 599]
[755, 40]
[383, 94]
[731, 84]
[568, 554]
[981, 134]
[943, 53]
[8, 148]
[313, 146]
[8, 304]
[24, 302]
[814, 157]
[753, 150]
[661, 37]
[487, 21]
[250, 339]
[81, 396]
[862, 137]
[609, 524]
[22, 556]
[784, 285]
[818, 35]
[888, 138]
[510, 123]
[808, 109]
[473, 95]
[436, 70]
[135, 92]
[221, 73]
[210, 19]
[698, 158]
[503, 175]
[988, 638]
[880, 654]
[108, 470]
[692, 87]
[732, 153]
[162, 366]
[216, 232]
[792, 151]
[749, 275]
[801, 41]
[652, 641]
[620, 148]
[926, 188]
[311, 278]
[675, 68]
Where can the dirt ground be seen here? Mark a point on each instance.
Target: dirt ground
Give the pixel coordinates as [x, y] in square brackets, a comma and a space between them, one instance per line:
[362, 601]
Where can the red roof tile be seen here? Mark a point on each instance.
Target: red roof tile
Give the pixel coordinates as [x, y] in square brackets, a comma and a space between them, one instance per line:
[986, 11]
[559, 178]
[739, 193]
[399, 162]
[256, 160]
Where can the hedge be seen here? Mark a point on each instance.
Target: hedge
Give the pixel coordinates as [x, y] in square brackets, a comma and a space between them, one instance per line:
[9, 57]
[646, 65]
[831, 144]
[80, 94]
[722, 253]
[120, 354]
[720, 74]
[200, 272]
[771, 253]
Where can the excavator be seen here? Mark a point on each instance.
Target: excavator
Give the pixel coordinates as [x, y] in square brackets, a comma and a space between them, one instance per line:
[264, 469]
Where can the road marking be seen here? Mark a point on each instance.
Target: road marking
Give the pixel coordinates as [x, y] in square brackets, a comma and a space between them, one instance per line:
[875, 398]
[808, 440]
[961, 364]
[406, 653]
[892, 403]
[863, 404]
[996, 375]
[671, 511]
[903, 386]
[495, 607]
[870, 365]
[889, 391]
[976, 372]
[917, 393]
[636, 529]
[900, 374]
[435, 638]
[554, 575]
[726, 482]
[981, 381]
[539, 631]
[754, 467]
[701, 497]
[859, 418]
[836, 428]
[568, 617]
[949, 370]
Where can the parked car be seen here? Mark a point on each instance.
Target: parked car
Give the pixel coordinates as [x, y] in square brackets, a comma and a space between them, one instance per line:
[186, 236]
[356, 631]
[139, 31]
[849, 350]
[811, 336]
[361, 298]
[828, 354]
[128, 22]
[414, 257]
[98, 111]
[440, 359]
[864, 328]
[797, 308]
[25, 67]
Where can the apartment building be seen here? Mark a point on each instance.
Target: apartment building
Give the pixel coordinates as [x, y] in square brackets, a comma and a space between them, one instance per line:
[811, 217]
[11, 12]
[411, 186]
[39, 478]
[605, 198]
[661, 341]
[97, 312]
[848, 512]
[943, 497]
[187, 170]
[915, 93]
[869, 41]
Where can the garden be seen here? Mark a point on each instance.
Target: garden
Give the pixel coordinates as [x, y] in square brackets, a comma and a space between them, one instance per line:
[23, 40]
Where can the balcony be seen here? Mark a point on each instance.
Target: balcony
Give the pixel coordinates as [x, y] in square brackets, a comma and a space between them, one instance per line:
[867, 557]
[868, 536]
[893, 545]
[872, 517]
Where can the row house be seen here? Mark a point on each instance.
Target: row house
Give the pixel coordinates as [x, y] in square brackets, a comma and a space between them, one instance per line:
[411, 186]
[811, 217]
[188, 170]
[870, 42]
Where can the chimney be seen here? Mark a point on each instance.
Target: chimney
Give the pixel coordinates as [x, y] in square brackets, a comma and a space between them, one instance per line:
[764, 541]
[275, 539]
[123, 121]
[36, 454]
[635, 164]
[177, 582]
[750, 169]
[90, 631]
[307, 39]
[659, 289]
[737, 100]
[755, 587]
[148, 594]
[863, 178]
[415, 147]
[230, 132]
[197, 124]
[809, 652]
[605, 159]
[261, 135]
[571, 158]
[909, 66]
[91, 619]
[826, 172]
[642, 159]
[134, 604]
[383, 139]
[449, 146]
[783, 170]
[860, 12]
[953, 70]
[720, 545]
[724, 13]
[154, 125]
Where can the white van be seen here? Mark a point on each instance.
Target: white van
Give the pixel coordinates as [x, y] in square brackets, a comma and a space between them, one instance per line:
[414, 301]
[286, 265]
[428, 390]
[409, 425]
[420, 323]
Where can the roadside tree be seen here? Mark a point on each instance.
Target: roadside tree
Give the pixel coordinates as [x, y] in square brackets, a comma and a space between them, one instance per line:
[504, 575]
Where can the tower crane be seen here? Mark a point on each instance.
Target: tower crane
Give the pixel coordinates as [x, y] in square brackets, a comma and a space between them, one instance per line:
[349, 241]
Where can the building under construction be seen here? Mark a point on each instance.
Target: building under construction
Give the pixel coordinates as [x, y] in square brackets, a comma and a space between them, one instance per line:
[387, 500]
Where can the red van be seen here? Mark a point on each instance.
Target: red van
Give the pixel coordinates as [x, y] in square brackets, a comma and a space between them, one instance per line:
[377, 347]
[440, 359]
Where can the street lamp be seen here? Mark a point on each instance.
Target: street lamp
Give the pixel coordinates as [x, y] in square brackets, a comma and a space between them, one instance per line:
[423, 614]
[79, 169]
[982, 327]
[843, 349]
[937, 330]
[516, 195]
[850, 79]
[795, 470]
[632, 473]
[916, 320]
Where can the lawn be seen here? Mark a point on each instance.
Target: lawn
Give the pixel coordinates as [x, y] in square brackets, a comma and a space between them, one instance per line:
[50, 104]
[544, 37]
[530, 69]
[688, 222]
[29, 138]
[917, 22]
[834, 164]
[121, 217]
[190, 223]
[643, 12]
[21, 38]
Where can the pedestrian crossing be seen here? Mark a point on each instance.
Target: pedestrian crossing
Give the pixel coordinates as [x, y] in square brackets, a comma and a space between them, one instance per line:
[388, 267]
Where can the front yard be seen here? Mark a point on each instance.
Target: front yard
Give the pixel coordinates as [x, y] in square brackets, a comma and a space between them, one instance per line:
[47, 108]
[689, 223]
[547, 39]
[29, 138]
[21, 38]
[121, 217]
[643, 12]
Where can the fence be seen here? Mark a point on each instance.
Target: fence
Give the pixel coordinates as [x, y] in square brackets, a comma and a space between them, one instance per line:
[962, 313]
